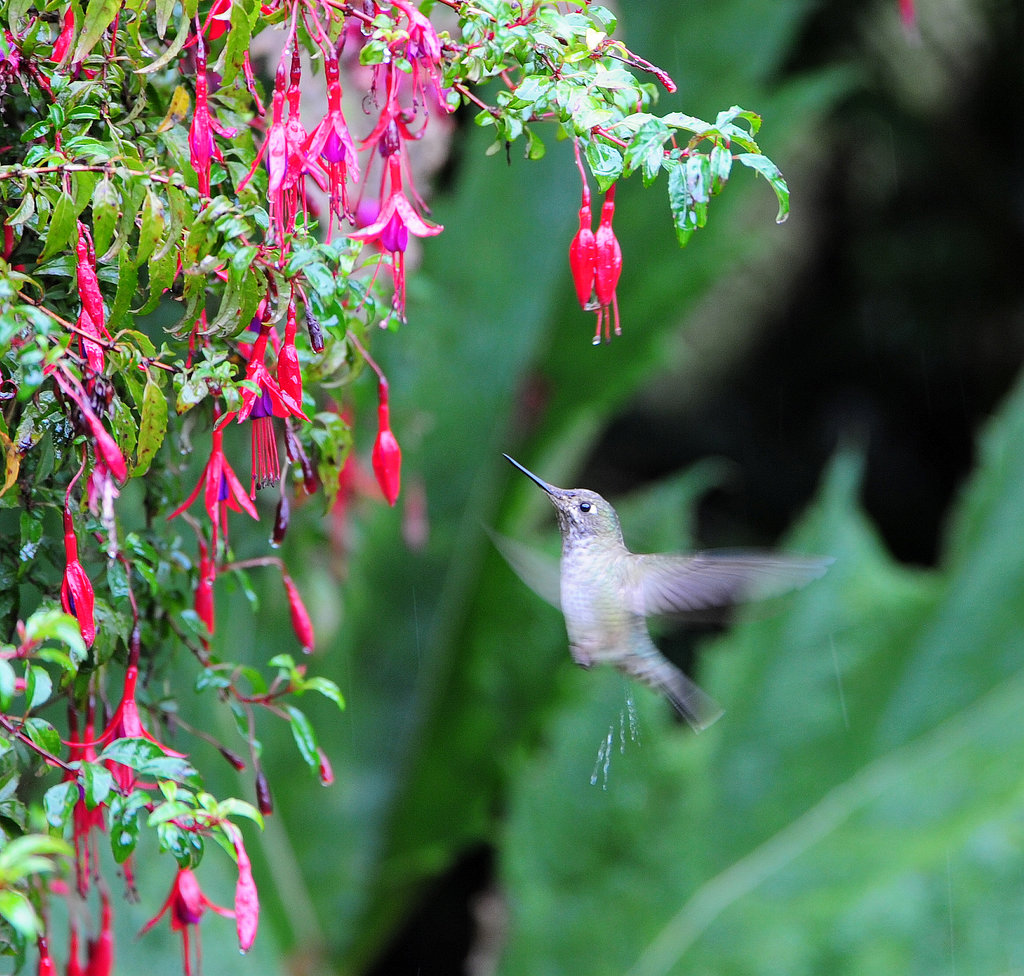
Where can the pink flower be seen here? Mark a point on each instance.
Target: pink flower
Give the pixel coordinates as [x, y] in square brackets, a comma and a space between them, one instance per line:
[221, 489]
[330, 144]
[186, 903]
[387, 455]
[76, 592]
[395, 221]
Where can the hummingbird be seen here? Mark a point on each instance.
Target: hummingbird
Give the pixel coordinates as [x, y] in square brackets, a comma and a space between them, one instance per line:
[606, 593]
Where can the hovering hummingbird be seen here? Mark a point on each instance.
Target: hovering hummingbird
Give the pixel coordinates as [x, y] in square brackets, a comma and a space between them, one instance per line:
[607, 592]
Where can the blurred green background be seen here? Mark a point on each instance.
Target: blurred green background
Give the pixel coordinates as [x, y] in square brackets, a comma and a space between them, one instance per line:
[841, 384]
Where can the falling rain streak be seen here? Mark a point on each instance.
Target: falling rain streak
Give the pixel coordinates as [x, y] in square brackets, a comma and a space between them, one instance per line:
[628, 725]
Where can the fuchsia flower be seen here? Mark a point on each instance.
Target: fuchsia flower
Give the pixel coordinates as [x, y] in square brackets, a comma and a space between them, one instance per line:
[387, 455]
[221, 490]
[104, 444]
[84, 819]
[607, 269]
[204, 588]
[330, 144]
[582, 256]
[63, 43]
[126, 723]
[76, 593]
[262, 399]
[395, 221]
[301, 623]
[289, 376]
[218, 20]
[201, 146]
[596, 261]
[186, 903]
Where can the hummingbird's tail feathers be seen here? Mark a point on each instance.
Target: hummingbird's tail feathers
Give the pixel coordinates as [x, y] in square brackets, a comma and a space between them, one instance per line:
[655, 670]
[537, 570]
[668, 584]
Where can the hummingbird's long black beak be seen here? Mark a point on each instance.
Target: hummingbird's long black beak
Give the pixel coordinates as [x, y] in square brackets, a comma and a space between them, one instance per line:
[550, 489]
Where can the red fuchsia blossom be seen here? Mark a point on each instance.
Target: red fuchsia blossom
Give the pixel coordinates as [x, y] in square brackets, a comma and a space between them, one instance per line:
[218, 20]
[289, 376]
[582, 254]
[103, 443]
[221, 490]
[330, 145]
[262, 399]
[91, 319]
[76, 593]
[84, 819]
[101, 949]
[301, 623]
[387, 456]
[204, 590]
[201, 146]
[126, 723]
[63, 43]
[247, 902]
[396, 220]
[47, 967]
[186, 903]
[607, 269]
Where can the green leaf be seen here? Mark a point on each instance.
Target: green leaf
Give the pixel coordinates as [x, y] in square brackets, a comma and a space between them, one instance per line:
[605, 162]
[768, 169]
[62, 228]
[7, 679]
[43, 734]
[646, 150]
[106, 203]
[153, 426]
[326, 687]
[99, 15]
[38, 687]
[25, 212]
[136, 752]
[59, 804]
[305, 737]
[19, 913]
[152, 227]
[98, 784]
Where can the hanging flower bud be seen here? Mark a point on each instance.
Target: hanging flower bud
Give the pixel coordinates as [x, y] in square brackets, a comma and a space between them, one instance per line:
[76, 593]
[387, 455]
[301, 623]
[204, 590]
[47, 967]
[247, 904]
[315, 330]
[324, 770]
[101, 950]
[236, 761]
[264, 798]
[607, 269]
[582, 255]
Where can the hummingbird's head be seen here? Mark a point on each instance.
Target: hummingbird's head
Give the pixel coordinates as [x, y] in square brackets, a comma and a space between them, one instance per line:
[582, 514]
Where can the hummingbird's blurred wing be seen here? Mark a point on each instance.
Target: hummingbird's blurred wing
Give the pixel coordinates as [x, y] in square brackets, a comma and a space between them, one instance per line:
[540, 572]
[667, 584]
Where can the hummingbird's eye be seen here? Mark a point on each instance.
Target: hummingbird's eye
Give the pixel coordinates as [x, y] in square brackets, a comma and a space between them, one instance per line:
[584, 506]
